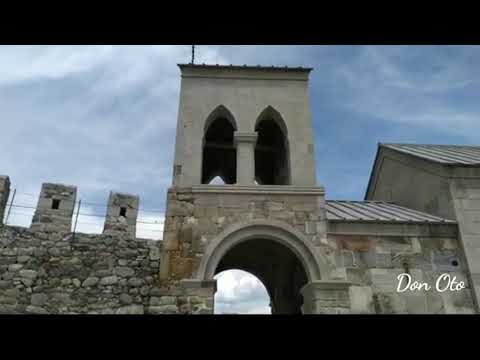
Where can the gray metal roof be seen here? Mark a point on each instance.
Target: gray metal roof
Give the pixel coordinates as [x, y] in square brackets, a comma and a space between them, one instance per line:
[445, 154]
[378, 211]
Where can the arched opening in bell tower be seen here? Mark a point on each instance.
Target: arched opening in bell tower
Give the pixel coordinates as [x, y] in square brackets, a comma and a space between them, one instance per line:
[272, 162]
[277, 268]
[219, 157]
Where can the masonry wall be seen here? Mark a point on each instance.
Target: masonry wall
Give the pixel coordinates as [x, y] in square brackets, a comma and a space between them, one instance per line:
[246, 93]
[49, 270]
[194, 217]
[46, 273]
[447, 191]
[413, 183]
[372, 264]
[466, 200]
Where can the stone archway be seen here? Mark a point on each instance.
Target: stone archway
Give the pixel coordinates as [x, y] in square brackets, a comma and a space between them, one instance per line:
[276, 253]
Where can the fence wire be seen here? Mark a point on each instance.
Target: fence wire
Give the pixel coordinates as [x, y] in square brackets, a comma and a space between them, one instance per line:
[17, 208]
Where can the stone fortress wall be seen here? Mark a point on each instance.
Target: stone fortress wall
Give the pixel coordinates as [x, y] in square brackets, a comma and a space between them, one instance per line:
[46, 269]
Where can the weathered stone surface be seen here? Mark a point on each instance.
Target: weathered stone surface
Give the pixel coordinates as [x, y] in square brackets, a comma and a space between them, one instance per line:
[109, 280]
[36, 310]
[38, 299]
[135, 282]
[165, 309]
[361, 300]
[15, 267]
[23, 259]
[91, 281]
[154, 254]
[130, 310]
[7, 300]
[164, 300]
[180, 208]
[28, 274]
[125, 299]
[124, 271]
[43, 272]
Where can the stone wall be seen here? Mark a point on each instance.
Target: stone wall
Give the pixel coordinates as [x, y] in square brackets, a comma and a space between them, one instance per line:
[194, 217]
[46, 269]
[4, 194]
[372, 263]
[45, 272]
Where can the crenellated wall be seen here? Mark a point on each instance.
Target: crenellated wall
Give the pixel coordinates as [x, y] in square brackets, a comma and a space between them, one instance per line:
[4, 194]
[46, 269]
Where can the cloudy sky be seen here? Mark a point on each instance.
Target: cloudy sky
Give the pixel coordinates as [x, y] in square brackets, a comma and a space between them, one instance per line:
[103, 118]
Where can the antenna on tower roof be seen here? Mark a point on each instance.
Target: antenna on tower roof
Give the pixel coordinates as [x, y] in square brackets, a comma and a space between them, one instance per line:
[193, 54]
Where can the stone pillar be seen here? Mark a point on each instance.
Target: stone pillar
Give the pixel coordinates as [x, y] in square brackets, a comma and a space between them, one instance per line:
[122, 215]
[326, 297]
[55, 208]
[245, 142]
[4, 194]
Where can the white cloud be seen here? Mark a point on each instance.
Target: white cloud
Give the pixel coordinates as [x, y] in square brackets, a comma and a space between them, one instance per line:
[240, 292]
[150, 225]
[384, 83]
[33, 63]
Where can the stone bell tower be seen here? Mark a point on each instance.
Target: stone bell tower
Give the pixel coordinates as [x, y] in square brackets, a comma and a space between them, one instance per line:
[251, 127]
[255, 106]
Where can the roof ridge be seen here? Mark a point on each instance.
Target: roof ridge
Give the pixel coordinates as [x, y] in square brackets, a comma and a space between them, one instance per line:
[416, 144]
[245, 66]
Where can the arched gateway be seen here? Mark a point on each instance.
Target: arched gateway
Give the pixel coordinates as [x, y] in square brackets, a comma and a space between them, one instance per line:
[252, 127]
[274, 252]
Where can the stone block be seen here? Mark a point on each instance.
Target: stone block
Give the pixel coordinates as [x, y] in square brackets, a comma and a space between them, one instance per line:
[165, 309]
[274, 205]
[109, 280]
[339, 273]
[124, 271]
[130, 310]
[135, 282]
[446, 261]
[28, 274]
[415, 302]
[38, 299]
[372, 259]
[310, 227]
[36, 310]
[171, 241]
[383, 280]
[163, 300]
[361, 299]
[125, 299]
[91, 281]
[458, 302]
[179, 208]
